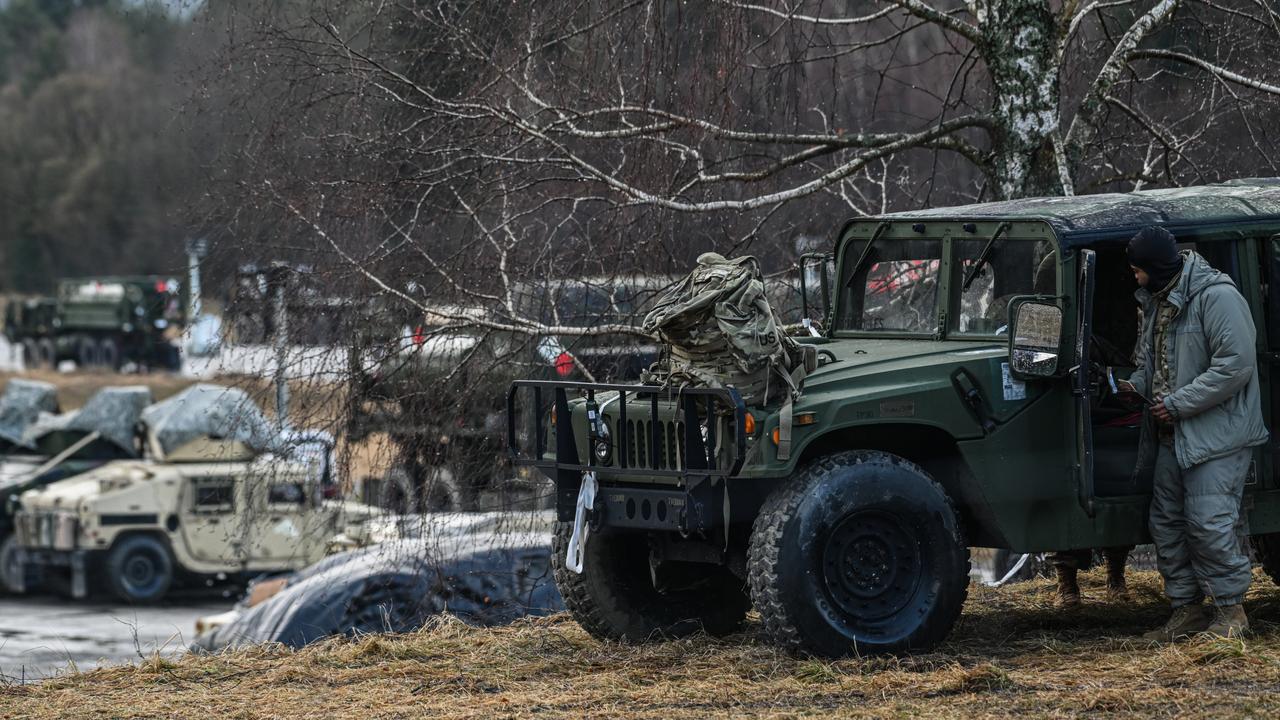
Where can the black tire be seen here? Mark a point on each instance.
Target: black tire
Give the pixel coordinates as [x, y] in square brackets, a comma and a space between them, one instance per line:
[615, 599]
[443, 493]
[1267, 549]
[47, 353]
[87, 353]
[861, 552]
[30, 354]
[139, 569]
[396, 492]
[109, 353]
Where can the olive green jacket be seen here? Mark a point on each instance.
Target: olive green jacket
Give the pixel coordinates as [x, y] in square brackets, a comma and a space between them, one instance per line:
[1215, 400]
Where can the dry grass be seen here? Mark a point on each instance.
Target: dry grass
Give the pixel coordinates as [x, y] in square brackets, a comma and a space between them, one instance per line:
[1012, 654]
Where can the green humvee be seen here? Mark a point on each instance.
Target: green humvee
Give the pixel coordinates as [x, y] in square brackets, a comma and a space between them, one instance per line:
[961, 399]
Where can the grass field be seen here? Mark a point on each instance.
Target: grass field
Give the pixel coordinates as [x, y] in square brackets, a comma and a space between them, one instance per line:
[1012, 654]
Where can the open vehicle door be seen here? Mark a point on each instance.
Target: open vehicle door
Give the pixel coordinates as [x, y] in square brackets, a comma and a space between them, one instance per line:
[1080, 380]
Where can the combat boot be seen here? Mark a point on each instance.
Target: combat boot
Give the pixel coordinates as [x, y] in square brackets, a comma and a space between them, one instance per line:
[1068, 588]
[1117, 590]
[1229, 621]
[1185, 622]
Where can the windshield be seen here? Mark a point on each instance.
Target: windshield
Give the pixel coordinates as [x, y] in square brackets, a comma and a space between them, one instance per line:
[896, 290]
[1013, 267]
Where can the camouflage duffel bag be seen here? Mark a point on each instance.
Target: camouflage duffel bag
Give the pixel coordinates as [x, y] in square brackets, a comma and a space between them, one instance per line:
[718, 330]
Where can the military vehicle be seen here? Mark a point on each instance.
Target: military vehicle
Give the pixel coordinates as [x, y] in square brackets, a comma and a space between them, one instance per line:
[220, 493]
[58, 446]
[958, 402]
[434, 382]
[101, 322]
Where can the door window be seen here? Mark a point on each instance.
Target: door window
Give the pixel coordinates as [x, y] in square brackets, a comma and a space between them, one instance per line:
[213, 495]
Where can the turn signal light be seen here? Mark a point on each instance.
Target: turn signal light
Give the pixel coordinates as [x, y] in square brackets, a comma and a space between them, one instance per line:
[749, 424]
[776, 435]
[805, 419]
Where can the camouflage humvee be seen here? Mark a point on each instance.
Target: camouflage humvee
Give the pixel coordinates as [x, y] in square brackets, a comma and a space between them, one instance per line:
[960, 401]
[219, 493]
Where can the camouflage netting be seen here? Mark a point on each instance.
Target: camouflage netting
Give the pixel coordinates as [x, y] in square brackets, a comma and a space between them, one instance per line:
[114, 412]
[21, 405]
[210, 411]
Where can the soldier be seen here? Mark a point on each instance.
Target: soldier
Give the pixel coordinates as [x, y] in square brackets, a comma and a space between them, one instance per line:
[1068, 563]
[1197, 362]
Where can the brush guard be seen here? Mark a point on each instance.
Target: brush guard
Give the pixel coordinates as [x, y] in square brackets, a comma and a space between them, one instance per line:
[684, 445]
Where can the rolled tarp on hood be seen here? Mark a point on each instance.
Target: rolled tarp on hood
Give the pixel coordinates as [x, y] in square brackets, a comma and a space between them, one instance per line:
[206, 410]
[21, 405]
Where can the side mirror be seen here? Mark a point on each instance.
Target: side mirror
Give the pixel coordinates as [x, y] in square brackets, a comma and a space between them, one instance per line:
[817, 272]
[1035, 339]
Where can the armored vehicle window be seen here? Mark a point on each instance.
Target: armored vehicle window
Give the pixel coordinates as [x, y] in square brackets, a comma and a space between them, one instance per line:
[896, 290]
[213, 495]
[1014, 267]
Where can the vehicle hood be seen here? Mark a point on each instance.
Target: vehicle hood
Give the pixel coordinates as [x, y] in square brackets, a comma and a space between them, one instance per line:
[867, 357]
[69, 494]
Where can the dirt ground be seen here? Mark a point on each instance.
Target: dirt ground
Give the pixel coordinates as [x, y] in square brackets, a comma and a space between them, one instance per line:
[1012, 654]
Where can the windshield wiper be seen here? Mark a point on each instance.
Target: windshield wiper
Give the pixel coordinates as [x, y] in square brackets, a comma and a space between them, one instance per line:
[866, 251]
[982, 256]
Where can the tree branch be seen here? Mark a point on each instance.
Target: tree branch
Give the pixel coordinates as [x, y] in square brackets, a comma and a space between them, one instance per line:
[1208, 67]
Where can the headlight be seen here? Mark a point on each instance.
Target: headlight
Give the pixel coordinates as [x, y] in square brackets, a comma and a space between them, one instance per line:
[604, 451]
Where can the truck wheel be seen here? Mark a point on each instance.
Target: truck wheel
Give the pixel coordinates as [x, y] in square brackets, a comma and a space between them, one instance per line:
[139, 569]
[443, 493]
[86, 353]
[861, 552]
[47, 353]
[30, 354]
[396, 494]
[109, 354]
[11, 570]
[615, 598]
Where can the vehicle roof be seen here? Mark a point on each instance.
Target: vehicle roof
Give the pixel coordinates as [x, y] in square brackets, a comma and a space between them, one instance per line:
[1074, 219]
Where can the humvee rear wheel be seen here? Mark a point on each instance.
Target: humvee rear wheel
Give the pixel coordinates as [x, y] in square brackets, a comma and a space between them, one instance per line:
[139, 569]
[860, 552]
[614, 598]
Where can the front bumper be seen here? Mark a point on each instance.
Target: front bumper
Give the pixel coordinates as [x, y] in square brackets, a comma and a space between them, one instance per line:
[77, 562]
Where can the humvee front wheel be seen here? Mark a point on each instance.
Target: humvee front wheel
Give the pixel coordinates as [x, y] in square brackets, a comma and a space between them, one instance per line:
[860, 552]
[139, 569]
[615, 597]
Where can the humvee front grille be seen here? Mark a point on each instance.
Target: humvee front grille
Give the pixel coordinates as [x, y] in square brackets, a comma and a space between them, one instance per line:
[640, 444]
[649, 430]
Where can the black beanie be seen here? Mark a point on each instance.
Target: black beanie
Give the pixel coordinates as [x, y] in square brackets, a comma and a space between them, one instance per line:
[1155, 250]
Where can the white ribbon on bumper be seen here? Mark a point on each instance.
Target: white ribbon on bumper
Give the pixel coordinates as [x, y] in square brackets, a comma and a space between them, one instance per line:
[578, 541]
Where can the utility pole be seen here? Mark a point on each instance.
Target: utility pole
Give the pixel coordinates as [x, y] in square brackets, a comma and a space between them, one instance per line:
[277, 283]
[197, 250]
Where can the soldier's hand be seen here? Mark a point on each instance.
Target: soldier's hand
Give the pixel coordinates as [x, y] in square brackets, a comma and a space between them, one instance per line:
[1160, 412]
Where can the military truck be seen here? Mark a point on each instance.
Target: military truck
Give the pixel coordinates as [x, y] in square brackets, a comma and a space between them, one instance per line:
[101, 322]
[960, 400]
[434, 382]
[58, 446]
[220, 494]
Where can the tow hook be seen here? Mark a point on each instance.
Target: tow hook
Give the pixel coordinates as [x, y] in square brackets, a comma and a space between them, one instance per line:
[581, 526]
